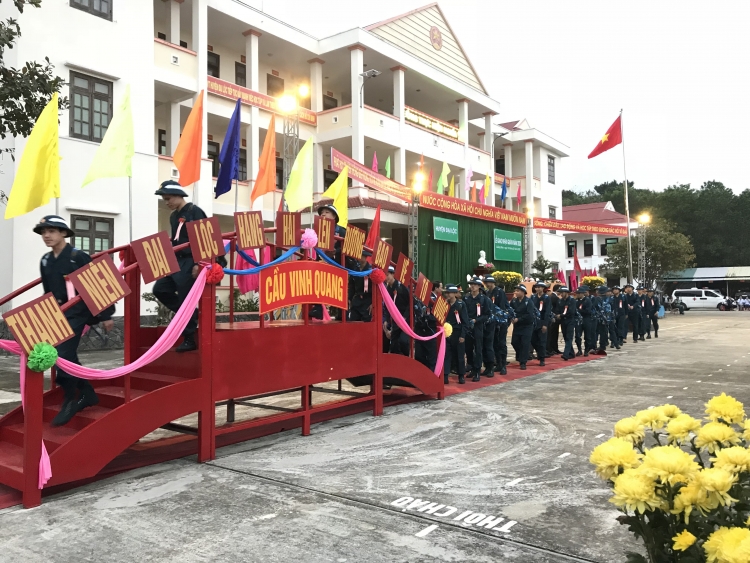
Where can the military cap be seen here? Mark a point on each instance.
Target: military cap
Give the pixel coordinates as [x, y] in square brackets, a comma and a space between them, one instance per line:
[475, 281]
[54, 222]
[391, 270]
[521, 288]
[451, 288]
[602, 289]
[489, 278]
[170, 187]
[564, 289]
[331, 208]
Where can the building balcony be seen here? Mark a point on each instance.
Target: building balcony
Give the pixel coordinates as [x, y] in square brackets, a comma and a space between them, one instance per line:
[335, 123]
[175, 65]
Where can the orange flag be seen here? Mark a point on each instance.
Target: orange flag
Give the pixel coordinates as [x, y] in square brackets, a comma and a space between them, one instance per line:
[187, 155]
[265, 182]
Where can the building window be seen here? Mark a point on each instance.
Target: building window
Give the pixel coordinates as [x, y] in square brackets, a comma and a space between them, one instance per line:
[500, 165]
[552, 215]
[572, 246]
[588, 247]
[91, 107]
[242, 175]
[240, 74]
[101, 8]
[551, 169]
[274, 86]
[162, 142]
[183, 44]
[162, 36]
[606, 246]
[93, 234]
[329, 102]
[213, 155]
[214, 63]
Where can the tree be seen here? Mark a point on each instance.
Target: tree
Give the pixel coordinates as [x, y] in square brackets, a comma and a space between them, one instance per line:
[541, 265]
[667, 251]
[23, 92]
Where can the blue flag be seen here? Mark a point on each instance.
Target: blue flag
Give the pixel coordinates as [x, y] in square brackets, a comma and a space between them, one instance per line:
[504, 192]
[229, 157]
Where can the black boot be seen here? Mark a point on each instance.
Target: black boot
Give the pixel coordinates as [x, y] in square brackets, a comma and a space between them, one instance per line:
[88, 397]
[476, 376]
[489, 371]
[69, 406]
[586, 353]
[641, 338]
[523, 365]
[579, 353]
[503, 367]
[461, 379]
[656, 334]
[446, 380]
[648, 336]
[541, 362]
[188, 345]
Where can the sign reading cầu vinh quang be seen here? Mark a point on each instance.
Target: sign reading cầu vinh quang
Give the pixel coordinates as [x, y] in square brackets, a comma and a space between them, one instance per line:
[304, 281]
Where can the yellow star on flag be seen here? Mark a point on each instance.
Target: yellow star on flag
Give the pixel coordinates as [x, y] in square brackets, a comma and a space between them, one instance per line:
[605, 138]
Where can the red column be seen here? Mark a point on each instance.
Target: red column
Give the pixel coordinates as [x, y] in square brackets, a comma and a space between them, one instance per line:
[33, 394]
[207, 414]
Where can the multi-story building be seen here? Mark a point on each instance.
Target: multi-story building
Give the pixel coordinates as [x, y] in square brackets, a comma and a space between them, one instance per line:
[424, 101]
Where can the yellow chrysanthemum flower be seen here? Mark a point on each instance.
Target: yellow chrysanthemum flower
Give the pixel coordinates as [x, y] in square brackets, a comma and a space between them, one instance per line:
[691, 496]
[630, 429]
[725, 407]
[683, 540]
[728, 545]
[715, 435]
[670, 464]
[717, 482]
[613, 456]
[670, 411]
[746, 434]
[635, 490]
[653, 418]
[735, 459]
[680, 427]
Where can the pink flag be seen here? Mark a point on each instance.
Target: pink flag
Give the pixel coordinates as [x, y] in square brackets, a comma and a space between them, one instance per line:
[593, 272]
[518, 196]
[573, 282]
[561, 276]
[481, 194]
[469, 174]
[374, 162]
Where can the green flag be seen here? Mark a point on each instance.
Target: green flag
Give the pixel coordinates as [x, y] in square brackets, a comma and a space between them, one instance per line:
[114, 157]
[388, 167]
[443, 179]
[299, 190]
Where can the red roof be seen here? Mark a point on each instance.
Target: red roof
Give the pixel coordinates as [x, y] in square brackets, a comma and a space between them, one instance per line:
[511, 125]
[592, 213]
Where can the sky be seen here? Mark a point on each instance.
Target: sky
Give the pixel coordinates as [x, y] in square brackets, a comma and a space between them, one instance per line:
[678, 69]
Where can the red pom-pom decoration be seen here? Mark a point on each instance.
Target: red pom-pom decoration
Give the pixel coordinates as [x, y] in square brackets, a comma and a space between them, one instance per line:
[377, 275]
[215, 274]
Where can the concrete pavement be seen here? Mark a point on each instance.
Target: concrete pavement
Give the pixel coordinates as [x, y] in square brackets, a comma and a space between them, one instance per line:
[497, 474]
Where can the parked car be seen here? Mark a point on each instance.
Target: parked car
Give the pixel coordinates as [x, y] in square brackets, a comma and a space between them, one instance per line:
[695, 298]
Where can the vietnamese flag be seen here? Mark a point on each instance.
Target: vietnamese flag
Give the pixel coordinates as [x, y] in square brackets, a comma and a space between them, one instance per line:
[611, 138]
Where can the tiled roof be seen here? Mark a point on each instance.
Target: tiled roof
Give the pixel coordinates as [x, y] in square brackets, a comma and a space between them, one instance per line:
[592, 213]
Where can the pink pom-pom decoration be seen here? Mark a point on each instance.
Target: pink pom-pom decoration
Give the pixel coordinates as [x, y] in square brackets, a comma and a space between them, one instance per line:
[309, 239]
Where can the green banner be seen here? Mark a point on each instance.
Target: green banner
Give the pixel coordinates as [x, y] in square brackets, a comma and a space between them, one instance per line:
[445, 229]
[508, 245]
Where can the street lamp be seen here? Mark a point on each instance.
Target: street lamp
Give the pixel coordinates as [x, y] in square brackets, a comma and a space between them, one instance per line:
[366, 75]
[643, 220]
[289, 105]
[495, 137]
[529, 232]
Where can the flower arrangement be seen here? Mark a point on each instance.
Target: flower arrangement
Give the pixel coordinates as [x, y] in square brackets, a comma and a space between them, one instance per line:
[683, 486]
[507, 280]
[490, 266]
[593, 282]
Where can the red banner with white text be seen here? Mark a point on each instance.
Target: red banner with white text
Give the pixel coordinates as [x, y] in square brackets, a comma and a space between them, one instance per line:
[576, 227]
[446, 204]
[363, 174]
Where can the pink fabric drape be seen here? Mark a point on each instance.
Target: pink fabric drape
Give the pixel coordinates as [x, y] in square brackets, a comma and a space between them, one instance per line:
[403, 325]
[252, 281]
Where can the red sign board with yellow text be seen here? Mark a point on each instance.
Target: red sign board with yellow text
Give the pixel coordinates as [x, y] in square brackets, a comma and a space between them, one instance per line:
[40, 320]
[288, 227]
[248, 225]
[576, 227]
[456, 206]
[249, 97]
[354, 242]
[381, 256]
[325, 229]
[303, 281]
[99, 284]
[155, 257]
[368, 177]
[206, 242]
[404, 267]
[440, 310]
[424, 289]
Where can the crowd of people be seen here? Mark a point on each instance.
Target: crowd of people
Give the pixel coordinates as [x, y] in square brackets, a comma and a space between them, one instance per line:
[588, 321]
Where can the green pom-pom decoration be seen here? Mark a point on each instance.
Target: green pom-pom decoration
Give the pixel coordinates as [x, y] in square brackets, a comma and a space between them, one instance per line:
[42, 357]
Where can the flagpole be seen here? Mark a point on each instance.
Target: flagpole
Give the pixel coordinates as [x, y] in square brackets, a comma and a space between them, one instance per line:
[236, 194]
[627, 204]
[130, 207]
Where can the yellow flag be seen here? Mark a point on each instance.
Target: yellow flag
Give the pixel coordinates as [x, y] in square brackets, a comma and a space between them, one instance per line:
[487, 189]
[299, 190]
[339, 192]
[38, 174]
[452, 187]
[114, 157]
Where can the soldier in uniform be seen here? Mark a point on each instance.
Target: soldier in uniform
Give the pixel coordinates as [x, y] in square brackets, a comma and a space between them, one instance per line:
[655, 305]
[620, 310]
[61, 261]
[479, 309]
[329, 211]
[425, 324]
[565, 313]
[602, 314]
[633, 303]
[543, 304]
[400, 296]
[455, 345]
[172, 290]
[360, 292]
[587, 327]
[645, 314]
[500, 339]
[553, 334]
[523, 324]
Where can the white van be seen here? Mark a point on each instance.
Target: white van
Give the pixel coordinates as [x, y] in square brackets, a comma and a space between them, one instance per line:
[698, 298]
